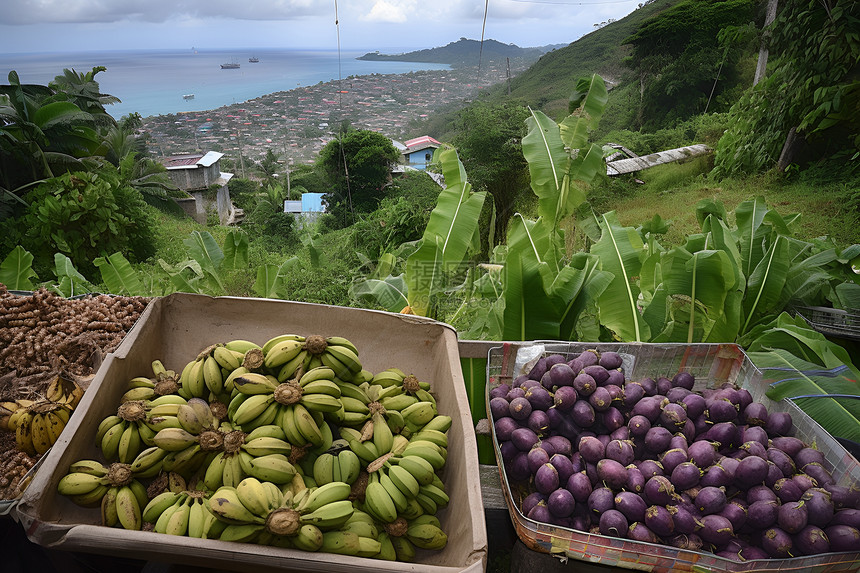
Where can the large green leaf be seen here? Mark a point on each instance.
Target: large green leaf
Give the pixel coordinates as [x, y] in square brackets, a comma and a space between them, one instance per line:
[591, 95]
[548, 164]
[765, 284]
[70, 281]
[619, 249]
[828, 396]
[578, 319]
[119, 276]
[235, 250]
[180, 279]
[389, 293]
[749, 216]
[16, 269]
[205, 250]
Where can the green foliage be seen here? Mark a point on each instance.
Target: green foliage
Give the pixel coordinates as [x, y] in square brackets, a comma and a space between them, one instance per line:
[83, 215]
[812, 85]
[119, 276]
[271, 279]
[357, 166]
[243, 192]
[69, 281]
[17, 270]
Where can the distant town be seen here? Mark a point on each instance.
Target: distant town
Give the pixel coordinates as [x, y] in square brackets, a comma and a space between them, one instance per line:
[297, 123]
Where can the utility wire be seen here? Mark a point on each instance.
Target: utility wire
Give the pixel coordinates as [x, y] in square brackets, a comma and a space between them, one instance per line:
[340, 108]
[483, 27]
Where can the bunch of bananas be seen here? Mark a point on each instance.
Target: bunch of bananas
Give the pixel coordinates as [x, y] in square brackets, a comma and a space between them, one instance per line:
[291, 443]
[38, 424]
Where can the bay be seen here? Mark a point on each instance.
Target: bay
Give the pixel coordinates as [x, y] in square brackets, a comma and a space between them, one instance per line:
[153, 82]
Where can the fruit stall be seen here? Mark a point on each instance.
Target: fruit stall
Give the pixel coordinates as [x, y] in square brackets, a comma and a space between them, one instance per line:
[255, 434]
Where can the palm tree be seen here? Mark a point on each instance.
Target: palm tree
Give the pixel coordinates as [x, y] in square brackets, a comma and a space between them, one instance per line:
[83, 90]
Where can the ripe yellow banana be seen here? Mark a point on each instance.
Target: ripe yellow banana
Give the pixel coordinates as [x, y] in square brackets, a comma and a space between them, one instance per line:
[253, 496]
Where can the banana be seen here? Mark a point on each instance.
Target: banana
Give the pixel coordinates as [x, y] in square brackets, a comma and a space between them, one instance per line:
[110, 441]
[427, 451]
[291, 367]
[321, 387]
[195, 416]
[386, 548]
[129, 444]
[164, 518]
[413, 510]
[91, 467]
[329, 516]
[395, 421]
[166, 399]
[350, 466]
[253, 383]
[398, 402]
[241, 346]
[350, 390]
[185, 461]
[213, 478]
[347, 356]
[320, 373]
[427, 504]
[274, 496]
[341, 341]
[267, 431]
[403, 548]
[427, 536]
[241, 533]
[141, 382]
[368, 547]
[178, 522]
[434, 436]
[366, 451]
[401, 502]
[340, 542]
[174, 439]
[244, 462]
[158, 505]
[308, 428]
[159, 423]
[325, 495]
[387, 378]
[251, 408]
[41, 434]
[405, 481]
[266, 418]
[288, 424]
[308, 538]
[379, 502]
[421, 469]
[253, 496]
[196, 382]
[321, 402]
[418, 414]
[324, 468]
[341, 370]
[110, 517]
[136, 394]
[128, 510]
[92, 498]
[275, 468]
[440, 423]
[383, 439]
[354, 405]
[280, 338]
[212, 376]
[164, 409]
[148, 462]
[227, 358]
[226, 506]
[438, 495]
[233, 473]
[264, 446]
[196, 519]
[281, 353]
[229, 381]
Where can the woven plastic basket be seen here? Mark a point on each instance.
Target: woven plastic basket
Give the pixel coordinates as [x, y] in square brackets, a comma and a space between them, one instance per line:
[712, 365]
[831, 321]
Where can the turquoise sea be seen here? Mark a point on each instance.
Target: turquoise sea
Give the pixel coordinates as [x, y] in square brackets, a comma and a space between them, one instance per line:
[153, 82]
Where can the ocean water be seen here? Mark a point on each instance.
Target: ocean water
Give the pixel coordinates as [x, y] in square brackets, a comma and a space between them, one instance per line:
[152, 82]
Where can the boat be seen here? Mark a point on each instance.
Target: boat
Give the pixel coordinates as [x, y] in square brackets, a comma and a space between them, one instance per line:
[253, 59]
[230, 66]
[188, 97]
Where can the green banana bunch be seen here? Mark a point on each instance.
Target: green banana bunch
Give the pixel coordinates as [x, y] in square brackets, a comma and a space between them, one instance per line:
[123, 435]
[289, 354]
[163, 383]
[344, 466]
[114, 489]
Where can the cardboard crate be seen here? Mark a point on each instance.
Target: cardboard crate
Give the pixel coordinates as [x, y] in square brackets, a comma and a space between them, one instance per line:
[174, 329]
[712, 365]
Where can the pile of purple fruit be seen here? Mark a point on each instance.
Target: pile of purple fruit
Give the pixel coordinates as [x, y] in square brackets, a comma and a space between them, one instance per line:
[652, 460]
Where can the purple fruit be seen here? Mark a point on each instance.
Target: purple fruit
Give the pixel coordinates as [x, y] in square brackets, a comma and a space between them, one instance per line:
[702, 453]
[546, 479]
[755, 414]
[673, 416]
[499, 408]
[620, 451]
[639, 532]
[677, 394]
[584, 384]
[635, 479]
[745, 398]
[518, 468]
[761, 493]
[792, 516]
[538, 422]
[651, 468]
[763, 513]
[787, 490]
[579, 486]
[589, 357]
[695, 405]
[610, 360]
[805, 482]
[650, 407]
[724, 433]
[649, 385]
[782, 460]
[500, 391]
[508, 450]
[524, 438]
[539, 369]
[582, 414]
[812, 540]
[520, 408]
[788, 444]
[591, 472]
[659, 520]
[670, 459]
[721, 411]
[540, 512]
[843, 538]
[621, 433]
[561, 503]
[774, 474]
[560, 445]
[754, 448]
[598, 372]
[612, 473]
[716, 529]
[564, 398]
[663, 385]
[516, 393]
[729, 464]
[658, 490]
[561, 375]
[537, 457]
[556, 417]
[632, 393]
[505, 428]
[613, 523]
[846, 517]
[683, 380]
[600, 399]
[563, 466]
[638, 426]
[657, 439]
[751, 471]
[779, 424]
[686, 475]
[808, 456]
[819, 506]
[777, 543]
[711, 500]
[755, 434]
[752, 552]
[532, 500]
[567, 428]
[817, 472]
[678, 441]
[631, 505]
[736, 512]
[591, 449]
[539, 398]
[842, 496]
[716, 476]
[601, 499]
[685, 521]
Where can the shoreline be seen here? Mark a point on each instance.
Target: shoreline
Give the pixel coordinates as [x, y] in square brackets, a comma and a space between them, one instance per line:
[297, 123]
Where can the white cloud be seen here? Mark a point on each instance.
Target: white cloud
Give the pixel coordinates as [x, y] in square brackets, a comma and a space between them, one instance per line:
[383, 11]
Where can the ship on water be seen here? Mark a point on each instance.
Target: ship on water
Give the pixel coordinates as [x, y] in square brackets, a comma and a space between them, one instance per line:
[230, 66]
[188, 97]
[253, 59]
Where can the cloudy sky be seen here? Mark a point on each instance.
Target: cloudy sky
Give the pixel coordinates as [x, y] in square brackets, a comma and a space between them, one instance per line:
[80, 25]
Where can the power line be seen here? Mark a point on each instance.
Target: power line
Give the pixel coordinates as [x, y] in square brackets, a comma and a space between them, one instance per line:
[571, 3]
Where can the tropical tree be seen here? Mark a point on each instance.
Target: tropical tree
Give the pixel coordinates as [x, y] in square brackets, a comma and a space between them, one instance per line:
[82, 89]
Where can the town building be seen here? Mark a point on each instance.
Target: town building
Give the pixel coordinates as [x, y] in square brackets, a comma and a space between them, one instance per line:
[419, 151]
[199, 175]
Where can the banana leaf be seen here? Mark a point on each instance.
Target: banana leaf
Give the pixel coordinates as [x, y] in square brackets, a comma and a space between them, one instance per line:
[388, 293]
[16, 269]
[829, 397]
[424, 277]
[591, 96]
[619, 250]
[70, 281]
[235, 250]
[708, 207]
[205, 250]
[579, 318]
[266, 285]
[178, 277]
[475, 377]
[751, 235]
[847, 296]
[549, 162]
[765, 284]
[118, 275]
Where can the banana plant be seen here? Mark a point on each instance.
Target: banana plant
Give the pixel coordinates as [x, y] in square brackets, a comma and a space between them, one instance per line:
[271, 279]
[70, 282]
[16, 270]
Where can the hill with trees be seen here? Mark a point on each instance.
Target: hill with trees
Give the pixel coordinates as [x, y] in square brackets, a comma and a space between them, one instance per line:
[464, 52]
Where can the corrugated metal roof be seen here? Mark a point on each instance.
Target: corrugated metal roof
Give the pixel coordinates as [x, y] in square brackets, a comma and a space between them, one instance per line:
[424, 140]
[312, 203]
